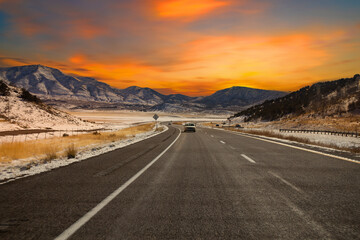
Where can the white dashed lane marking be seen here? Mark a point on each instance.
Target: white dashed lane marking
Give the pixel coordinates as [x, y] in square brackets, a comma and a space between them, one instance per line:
[247, 158]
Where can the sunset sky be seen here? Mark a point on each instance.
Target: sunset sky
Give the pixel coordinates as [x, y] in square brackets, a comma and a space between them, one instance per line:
[193, 47]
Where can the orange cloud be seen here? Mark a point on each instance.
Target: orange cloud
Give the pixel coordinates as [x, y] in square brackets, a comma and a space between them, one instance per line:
[282, 62]
[77, 59]
[118, 73]
[187, 8]
[9, 62]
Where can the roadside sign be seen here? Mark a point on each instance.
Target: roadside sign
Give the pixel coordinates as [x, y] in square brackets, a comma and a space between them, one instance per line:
[155, 117]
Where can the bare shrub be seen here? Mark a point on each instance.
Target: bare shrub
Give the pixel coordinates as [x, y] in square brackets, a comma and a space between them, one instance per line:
[71, 151]
[49, 156]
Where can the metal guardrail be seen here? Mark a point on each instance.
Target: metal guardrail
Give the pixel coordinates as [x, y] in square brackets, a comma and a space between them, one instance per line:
[346, 134]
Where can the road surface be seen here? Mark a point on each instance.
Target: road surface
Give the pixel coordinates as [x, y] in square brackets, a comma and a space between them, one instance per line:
[210, 184]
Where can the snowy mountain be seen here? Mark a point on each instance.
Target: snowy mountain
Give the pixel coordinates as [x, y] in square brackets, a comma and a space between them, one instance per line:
[50, 83]
[144, 96]
[332, 98]
[21, 110]
[59, 89]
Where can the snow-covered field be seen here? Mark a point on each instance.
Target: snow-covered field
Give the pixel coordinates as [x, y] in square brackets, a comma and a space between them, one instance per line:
[345, 123]
[330, 140]
[111, 120]
[121, 119]
[321, 140]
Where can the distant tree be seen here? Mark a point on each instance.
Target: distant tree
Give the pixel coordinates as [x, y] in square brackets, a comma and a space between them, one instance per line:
[4, 89]
[27, 96]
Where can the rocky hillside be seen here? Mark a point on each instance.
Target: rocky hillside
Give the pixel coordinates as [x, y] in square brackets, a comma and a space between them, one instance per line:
[239, 97]
[333, 98]
[19, 109]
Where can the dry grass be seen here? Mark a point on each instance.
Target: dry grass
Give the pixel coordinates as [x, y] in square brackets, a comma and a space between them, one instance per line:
[50, 154]
[71, 151]
[159, 129]
[178, 123]
[213, 124]
[295, 139]
[48, 149]
[343, 123]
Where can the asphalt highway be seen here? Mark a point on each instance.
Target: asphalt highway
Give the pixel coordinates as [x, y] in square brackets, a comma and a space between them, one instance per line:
[210, 184]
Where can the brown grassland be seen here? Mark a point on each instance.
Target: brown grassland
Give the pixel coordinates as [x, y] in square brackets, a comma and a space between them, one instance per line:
[345, 123]
[48, 149]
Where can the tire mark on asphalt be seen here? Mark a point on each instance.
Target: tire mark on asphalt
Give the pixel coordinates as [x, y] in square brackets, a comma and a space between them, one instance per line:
[286, 182]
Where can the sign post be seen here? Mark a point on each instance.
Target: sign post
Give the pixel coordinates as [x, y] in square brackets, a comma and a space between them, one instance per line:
[229, 119]
[156, 118]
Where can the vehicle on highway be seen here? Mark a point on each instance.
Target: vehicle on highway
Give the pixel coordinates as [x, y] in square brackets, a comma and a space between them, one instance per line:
[189, 127]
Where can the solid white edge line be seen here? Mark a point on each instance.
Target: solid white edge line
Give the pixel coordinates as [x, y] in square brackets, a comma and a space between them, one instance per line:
[300, 148]
[247, 158]
[79, 223]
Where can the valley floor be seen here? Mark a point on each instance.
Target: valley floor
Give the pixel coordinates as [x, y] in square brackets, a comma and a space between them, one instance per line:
[114, 123]
[121, 118]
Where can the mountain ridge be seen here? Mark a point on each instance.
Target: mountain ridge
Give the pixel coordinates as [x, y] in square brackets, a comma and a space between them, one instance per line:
[52, 85]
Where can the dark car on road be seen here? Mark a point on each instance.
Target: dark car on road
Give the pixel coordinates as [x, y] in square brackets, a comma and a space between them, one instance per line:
[189, 127]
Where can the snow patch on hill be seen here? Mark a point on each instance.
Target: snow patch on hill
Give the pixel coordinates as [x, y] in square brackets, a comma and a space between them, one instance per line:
[16, 113]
